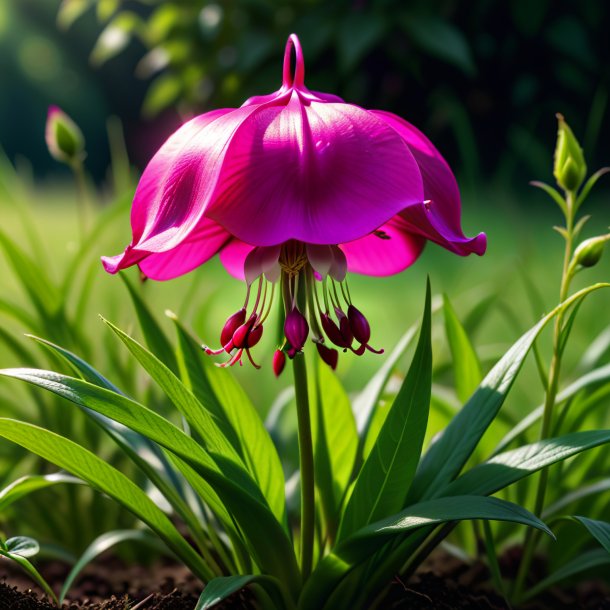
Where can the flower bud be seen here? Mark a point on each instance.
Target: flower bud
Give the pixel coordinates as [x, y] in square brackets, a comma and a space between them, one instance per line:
[590, 251]
[570, 168]
[64, 139]
[247, 335]
[231, 325]
[329, 355]
[296, 330]
[359, 325]
[279, 362]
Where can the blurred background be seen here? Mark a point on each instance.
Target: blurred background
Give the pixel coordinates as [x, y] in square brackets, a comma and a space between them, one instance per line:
[483, 79]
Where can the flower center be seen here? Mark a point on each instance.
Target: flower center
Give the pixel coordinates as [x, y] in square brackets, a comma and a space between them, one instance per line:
[293, 258]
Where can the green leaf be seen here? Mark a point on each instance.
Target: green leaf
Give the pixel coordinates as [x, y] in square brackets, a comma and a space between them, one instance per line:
[600, 530]
[366, 541]
[70, 10]
[578, 494]
[466, 366]
[358, 34]
[22, 545]
[384, 480]
[163, 92]
[30, 483]
[589, 184]
[268, 541]
[506, 468]
[220, 588]
[451, 449]
[115, 37]
[553, 193]
[76, 459]
[100, 545]
[26, 566]
[440, 39]
[335, 442]
[154, 336]
[583, 563]
[239, 420]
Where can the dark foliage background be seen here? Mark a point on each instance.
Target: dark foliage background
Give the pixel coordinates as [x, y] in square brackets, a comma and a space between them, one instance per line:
[482, 78]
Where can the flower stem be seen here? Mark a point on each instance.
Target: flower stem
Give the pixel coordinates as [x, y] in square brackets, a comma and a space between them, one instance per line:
[532, 537]
[306, 464]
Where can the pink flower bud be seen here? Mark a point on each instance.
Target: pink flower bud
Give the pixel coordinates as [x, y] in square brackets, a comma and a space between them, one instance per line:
[279, 362]
[247, 335]
[296, 330]
[328, 355]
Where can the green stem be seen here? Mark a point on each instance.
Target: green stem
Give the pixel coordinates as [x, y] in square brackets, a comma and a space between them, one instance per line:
[532, 537]
[306, 464]
[82, 200]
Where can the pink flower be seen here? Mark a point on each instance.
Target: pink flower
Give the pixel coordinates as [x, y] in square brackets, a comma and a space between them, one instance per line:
[296, 186]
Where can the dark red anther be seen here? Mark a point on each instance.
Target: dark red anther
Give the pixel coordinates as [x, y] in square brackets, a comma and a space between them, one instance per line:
[329, 355]
[231, 325]
[296, 331]
[335, 333]
[279, 362]
[344, 327]
[247, 335]
[359, 325]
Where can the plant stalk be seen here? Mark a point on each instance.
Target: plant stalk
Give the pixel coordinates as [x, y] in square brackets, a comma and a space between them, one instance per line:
[532, 536]
[306, 464]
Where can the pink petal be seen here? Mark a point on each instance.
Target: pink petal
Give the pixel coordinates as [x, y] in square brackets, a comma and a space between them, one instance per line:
[388, 251]
[201, 245]
[440, 221]
[233, 257]
[322, 173]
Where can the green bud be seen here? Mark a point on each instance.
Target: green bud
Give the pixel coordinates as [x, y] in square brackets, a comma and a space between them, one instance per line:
[570, 168]
[65, 140]
[590, 251]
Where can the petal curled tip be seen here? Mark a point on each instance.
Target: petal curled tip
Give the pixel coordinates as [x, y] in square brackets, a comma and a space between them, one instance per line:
[298, 78]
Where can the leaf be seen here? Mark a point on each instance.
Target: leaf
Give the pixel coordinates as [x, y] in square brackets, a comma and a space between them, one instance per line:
[76, 459]
[220, 393]
[154, 336]
[268, 541]
[358, 34]
[451, 449]
[69, 11]
[100, 545]
[115, 37]
[220, 588]
[600, 530]
[589, 184]
[583, 563]
[591, 378]
[506, 468]
[440, 39]
[22, 545]
[553, 193]
[162, 93]
[30, 483]
[27, 567]
[335, 442]
[466, 366]
[366, 541]
[575, 496]
[384, 480]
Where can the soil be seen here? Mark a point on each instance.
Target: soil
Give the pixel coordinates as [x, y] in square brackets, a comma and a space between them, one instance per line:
[442, 583]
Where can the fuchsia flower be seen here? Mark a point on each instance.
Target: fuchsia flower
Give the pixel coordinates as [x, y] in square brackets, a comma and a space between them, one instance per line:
[296, 188]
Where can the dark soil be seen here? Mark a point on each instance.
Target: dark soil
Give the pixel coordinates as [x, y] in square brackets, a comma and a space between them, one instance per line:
[443, 583]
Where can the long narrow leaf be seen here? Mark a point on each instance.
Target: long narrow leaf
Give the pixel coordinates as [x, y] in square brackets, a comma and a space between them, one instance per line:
[85, 465]
[383, 483]
[30, 483]
[451, 449]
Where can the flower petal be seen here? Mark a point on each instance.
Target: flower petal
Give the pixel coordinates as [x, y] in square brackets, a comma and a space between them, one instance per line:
[322, 173]
[233, 258]
[387, 251]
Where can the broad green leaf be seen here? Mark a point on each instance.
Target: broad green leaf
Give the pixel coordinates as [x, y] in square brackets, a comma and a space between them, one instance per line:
[600, 530]
[366, 541]
[22, 545]
[506, 468]
[451, 449]
[220, 393]
[115, 37]
[220, 588]
[85, 465]
[466, 366]
[100, 545]
[583, 563]
[163, 92]
[268, 541]
[591, 378]
[70, 10]
[154, 336]
[30, 483]
[335, 441]
[384, 480]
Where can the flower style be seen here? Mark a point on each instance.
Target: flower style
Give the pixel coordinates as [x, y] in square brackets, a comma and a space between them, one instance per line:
[294, 188]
